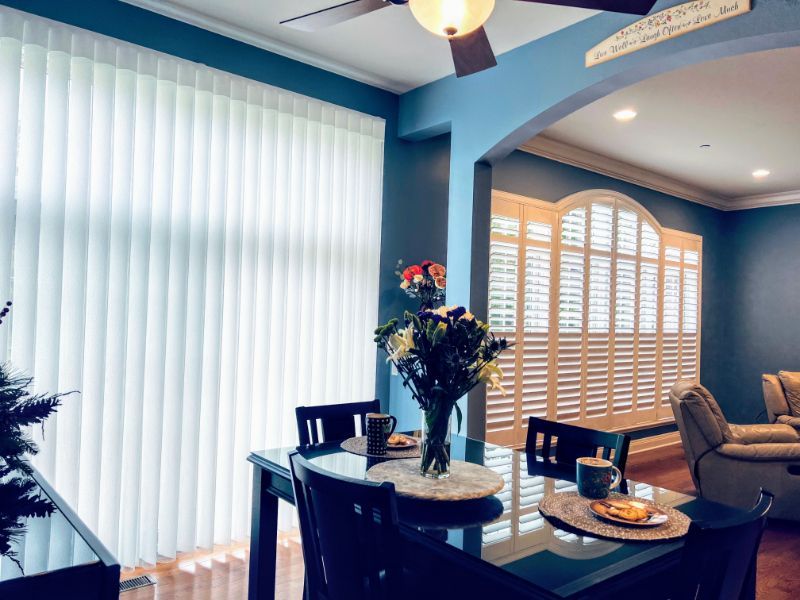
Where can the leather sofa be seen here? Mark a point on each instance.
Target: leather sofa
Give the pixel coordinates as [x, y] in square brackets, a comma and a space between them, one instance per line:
[778, 409]
[731, 463]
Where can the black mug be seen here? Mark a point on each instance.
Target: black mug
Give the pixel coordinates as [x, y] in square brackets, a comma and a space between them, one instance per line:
[379, 428]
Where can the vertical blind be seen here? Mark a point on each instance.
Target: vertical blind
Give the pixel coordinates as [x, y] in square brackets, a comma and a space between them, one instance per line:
[188, 249]
[603, 306]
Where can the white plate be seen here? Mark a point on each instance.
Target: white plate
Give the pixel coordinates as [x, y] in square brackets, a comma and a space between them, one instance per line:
[414, 441]
[656, 518]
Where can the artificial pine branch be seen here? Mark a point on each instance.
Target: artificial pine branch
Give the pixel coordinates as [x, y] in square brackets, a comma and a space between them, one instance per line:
[19, 494]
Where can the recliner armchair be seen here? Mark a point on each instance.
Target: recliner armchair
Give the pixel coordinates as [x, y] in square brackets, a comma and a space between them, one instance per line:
[731, 463]
[778, 409]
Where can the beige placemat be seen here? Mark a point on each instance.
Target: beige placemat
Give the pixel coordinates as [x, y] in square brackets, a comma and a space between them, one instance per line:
[467, 481]
[358, 445]
[573, 510]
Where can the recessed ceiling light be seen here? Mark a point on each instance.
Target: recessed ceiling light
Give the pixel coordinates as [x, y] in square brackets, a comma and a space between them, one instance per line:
[626, 114]
[760, 173]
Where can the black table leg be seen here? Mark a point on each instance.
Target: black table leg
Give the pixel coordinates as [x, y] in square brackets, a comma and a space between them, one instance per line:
[263, 540]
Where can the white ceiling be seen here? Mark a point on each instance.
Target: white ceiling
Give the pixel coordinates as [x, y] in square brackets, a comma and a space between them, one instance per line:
[385, 48]
[747, 107]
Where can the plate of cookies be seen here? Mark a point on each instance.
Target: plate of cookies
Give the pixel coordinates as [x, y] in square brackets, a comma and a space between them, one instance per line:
[400, 440]
[628, 512]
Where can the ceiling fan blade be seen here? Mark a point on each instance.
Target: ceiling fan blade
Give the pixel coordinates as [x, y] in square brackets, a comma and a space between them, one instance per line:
[472, 53]
[633, 7]
[335, 14]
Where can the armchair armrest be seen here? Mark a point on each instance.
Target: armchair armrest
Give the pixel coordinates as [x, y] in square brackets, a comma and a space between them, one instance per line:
[788, 420]
[770, 452]
[766, 434]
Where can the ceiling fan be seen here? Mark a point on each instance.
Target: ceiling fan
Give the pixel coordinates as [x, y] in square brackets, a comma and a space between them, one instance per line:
[459, 21]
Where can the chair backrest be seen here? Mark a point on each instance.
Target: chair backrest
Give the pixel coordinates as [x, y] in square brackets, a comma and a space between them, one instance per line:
[700, 421]
[337, 421]
[719, 559]
[570, 442]
[774, 397]
[350, 534]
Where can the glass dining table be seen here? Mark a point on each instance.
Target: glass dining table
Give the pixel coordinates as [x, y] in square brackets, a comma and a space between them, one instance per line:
[497, 547]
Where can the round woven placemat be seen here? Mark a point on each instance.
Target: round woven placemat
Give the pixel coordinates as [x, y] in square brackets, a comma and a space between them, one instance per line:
[358, 445]
[573, 510]
[467, 481]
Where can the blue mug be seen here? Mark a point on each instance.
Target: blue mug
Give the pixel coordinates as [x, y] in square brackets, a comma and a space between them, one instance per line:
[595, 477]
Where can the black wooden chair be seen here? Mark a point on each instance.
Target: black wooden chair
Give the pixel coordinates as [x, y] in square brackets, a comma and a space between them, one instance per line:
[337, 421]
[350, 534]
[570, 442]
[719, 559]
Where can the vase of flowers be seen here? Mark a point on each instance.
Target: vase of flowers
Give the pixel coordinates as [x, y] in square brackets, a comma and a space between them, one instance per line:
[425, 282]
[441, 355]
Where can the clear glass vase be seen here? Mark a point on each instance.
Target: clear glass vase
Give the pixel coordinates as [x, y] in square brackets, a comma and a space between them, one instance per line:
[435, 445]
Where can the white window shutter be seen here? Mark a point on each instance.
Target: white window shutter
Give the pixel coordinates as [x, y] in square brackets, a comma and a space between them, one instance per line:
[606, 318]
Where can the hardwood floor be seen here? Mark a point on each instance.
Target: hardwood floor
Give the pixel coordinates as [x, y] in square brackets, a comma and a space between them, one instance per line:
[778, 575]
[221, 574]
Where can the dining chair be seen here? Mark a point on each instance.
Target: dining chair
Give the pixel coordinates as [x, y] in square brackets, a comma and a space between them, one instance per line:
[350, 535]
[719, 559]
[570, 442]
[337, 421]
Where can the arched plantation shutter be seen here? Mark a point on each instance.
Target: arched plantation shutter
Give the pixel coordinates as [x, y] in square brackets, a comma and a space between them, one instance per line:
[603, 307]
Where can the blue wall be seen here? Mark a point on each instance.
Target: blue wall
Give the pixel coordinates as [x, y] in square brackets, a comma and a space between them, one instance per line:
[537, 177]
[415, 175]
[763, 303]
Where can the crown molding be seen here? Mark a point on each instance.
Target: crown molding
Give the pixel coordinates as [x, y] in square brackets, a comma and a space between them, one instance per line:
[764, 200]
[198, 19]
[597, 163]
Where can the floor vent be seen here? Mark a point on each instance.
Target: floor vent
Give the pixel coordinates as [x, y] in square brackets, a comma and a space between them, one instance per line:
[136, 582]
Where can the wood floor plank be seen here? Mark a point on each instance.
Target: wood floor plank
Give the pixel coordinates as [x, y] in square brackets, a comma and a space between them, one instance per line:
[221, 574]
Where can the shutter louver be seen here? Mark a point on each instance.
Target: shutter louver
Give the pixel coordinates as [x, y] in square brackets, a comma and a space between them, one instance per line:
[671, 329]
[503, 288]
[573, 228]
[599, 330]
[570, 327]
[602, 226]
[605, 315]
[689, 329]
[536, 329]
[650, 243]
[624, 323]
[627, 232]
[648, 335]
[503, 225]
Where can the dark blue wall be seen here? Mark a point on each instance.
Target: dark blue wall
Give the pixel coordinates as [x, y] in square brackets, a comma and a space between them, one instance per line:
[415, 175]
[763, 299]
[537, 177]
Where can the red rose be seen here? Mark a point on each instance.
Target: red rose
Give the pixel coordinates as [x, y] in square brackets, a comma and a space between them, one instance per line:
[415, 269]
[407, 274]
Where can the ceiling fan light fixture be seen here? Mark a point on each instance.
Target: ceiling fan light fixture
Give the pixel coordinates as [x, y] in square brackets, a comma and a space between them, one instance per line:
[451, 18]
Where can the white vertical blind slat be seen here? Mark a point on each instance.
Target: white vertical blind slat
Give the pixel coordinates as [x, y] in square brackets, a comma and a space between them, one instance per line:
[183, 248]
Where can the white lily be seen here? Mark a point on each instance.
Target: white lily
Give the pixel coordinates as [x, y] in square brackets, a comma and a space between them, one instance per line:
[400, 343]
[492, 375]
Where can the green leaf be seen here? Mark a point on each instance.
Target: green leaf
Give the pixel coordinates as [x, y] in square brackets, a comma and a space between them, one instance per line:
[438, 334]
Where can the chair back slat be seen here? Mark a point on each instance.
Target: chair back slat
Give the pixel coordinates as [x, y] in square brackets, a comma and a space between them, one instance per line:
[719, 559]
[571, 442]
[336, 421]
[350, 534]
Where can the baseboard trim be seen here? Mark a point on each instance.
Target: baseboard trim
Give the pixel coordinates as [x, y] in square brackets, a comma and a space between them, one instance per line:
[654, 442]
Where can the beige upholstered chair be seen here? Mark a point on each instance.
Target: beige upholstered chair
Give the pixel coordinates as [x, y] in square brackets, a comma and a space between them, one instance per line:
[731, 463]
[778, 409]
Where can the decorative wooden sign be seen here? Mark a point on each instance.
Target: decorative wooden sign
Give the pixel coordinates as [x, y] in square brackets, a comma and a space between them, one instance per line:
[664, 25]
